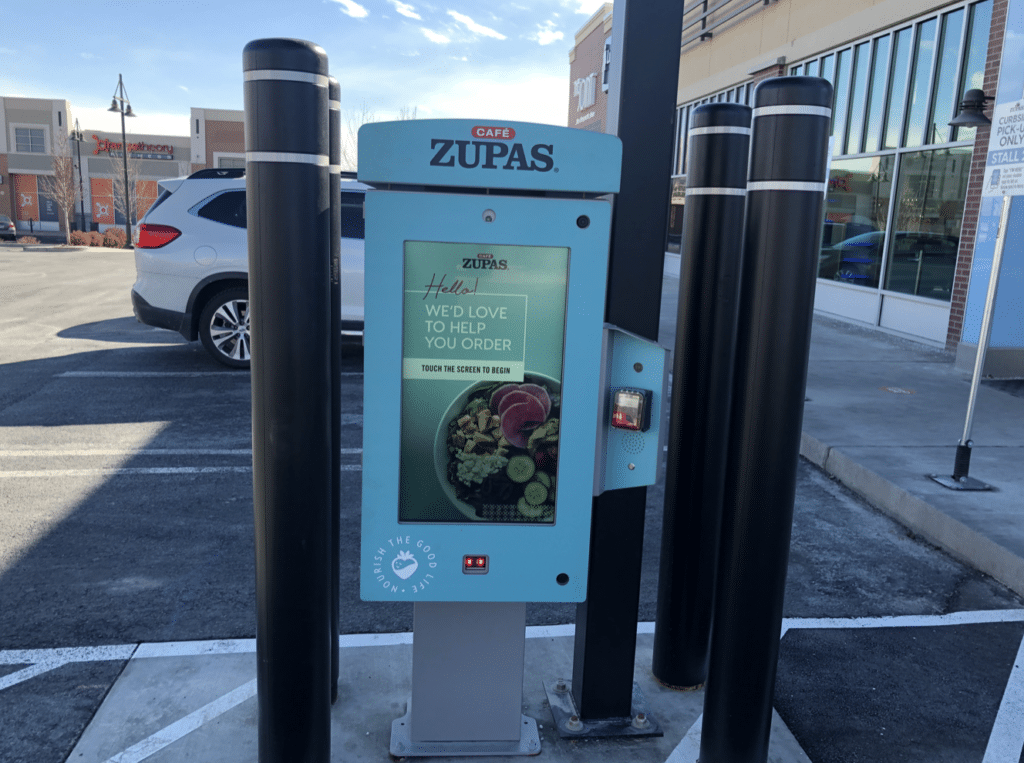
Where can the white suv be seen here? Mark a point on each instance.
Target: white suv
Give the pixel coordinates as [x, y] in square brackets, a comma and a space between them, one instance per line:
[192, 264]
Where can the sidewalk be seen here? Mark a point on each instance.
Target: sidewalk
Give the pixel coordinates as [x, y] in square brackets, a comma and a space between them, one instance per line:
[883, 413]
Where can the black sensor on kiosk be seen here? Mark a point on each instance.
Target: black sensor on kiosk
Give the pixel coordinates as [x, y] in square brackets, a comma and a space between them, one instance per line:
[486, 268]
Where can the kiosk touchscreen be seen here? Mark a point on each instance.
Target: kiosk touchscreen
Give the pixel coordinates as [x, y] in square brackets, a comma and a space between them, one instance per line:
[486, 267]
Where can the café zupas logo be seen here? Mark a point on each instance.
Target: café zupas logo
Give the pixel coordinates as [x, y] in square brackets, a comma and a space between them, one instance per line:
[484, 261]
[493, 149]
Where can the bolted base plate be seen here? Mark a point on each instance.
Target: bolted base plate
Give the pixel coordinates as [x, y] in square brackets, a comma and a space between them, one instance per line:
[402, 745]
[569, 725]
[964, 483]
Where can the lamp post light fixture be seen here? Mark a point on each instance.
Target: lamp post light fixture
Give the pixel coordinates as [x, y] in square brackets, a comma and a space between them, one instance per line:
[76, 135]
[972, 110]
[121, 105]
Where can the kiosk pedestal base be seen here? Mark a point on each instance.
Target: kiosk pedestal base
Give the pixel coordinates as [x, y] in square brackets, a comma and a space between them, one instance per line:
[402, 745]
[467, 683]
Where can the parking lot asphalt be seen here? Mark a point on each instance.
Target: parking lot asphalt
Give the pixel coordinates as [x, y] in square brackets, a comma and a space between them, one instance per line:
[127, 583]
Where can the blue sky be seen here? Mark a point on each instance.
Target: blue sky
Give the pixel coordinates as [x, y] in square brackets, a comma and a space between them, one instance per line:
[445, 58]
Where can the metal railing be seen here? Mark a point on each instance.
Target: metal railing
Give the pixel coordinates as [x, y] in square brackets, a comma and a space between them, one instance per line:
[700, 20]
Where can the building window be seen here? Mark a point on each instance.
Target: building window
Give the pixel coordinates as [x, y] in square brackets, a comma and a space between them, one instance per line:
[30, 140]
[925, 239]
[856, 211]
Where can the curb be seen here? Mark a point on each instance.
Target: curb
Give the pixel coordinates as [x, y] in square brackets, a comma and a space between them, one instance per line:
[923, 519]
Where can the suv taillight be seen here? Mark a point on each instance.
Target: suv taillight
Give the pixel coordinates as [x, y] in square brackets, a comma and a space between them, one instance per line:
[154, 236]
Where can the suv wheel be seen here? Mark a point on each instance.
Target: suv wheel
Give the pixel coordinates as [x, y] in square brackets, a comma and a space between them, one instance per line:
[224, 327]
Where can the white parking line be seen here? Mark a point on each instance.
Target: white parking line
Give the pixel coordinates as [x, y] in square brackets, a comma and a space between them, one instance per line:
[143, 374]
[171, 734]
[158, 374]
[1007, 738]
[141, 471]
[907, 621]
[87, 452]
[30, 672]
[127, 472]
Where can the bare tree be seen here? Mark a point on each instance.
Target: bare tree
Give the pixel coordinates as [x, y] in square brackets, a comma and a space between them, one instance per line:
[350, 131]
[61, 187]
[117, 176]
[350, 135]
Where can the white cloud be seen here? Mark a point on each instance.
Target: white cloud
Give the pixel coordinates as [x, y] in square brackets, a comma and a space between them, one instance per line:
[475, 28]
[87, 55]
[589, 7]
[99, 118]
[546, 34]
[182, 87]
[535, 97]
[353, 9]
[440, 39]
[406, 10]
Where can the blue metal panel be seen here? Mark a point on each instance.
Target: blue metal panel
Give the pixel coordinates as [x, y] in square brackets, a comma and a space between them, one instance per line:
[524, 561]
[489, 154]
[631, 459]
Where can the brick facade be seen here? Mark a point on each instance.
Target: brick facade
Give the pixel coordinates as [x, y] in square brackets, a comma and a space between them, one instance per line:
[972, 205]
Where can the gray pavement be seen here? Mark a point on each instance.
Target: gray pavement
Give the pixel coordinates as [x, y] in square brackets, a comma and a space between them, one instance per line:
[916, 630]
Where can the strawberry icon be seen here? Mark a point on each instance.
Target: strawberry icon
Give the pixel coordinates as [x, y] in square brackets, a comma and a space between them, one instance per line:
[404, 565]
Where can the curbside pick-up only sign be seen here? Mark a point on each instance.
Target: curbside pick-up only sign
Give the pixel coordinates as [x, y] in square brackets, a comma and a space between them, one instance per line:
[1004, 169]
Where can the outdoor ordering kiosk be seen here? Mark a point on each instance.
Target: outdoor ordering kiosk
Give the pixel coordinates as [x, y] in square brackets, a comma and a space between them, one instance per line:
[496, 404]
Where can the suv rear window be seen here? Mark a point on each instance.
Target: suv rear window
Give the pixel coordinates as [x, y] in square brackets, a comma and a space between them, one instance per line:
[352, 223]
[227, 208]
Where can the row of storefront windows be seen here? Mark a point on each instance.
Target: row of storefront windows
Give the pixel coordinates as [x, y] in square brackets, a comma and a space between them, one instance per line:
[898, 176]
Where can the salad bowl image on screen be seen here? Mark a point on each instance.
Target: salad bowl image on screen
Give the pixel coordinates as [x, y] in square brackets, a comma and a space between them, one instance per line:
[496, 450]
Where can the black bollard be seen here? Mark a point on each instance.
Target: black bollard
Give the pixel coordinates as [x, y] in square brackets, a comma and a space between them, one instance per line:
[334, 152]
[716, 182]
[785, 197]
[605, 645]
[288, 202]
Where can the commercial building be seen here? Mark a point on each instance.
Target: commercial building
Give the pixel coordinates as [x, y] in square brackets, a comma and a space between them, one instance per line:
[904, 188]
[31, 131]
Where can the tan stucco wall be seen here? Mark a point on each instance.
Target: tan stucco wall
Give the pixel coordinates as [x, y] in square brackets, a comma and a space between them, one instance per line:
[794, 29]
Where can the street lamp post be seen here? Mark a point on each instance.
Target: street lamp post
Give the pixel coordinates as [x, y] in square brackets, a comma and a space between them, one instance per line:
[121, 105]
[77, 137]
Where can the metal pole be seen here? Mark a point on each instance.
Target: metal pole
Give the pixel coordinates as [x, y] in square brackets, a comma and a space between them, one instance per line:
[605, 646]
[962, 462]
[124, 156]
[288, 207]
[785, 198]
[334, 143]
[709, 285]
[81, 182]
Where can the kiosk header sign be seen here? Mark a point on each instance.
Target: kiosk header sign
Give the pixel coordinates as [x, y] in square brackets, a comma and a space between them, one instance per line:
[482, 368]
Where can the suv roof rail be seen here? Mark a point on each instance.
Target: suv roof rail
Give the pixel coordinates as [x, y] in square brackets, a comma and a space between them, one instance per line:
[223, 172]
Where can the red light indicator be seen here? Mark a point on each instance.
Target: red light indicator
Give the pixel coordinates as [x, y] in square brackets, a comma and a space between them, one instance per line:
[474, 564]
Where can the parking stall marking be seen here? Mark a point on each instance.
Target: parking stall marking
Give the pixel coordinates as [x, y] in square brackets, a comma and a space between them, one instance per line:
[194, 720]
[86, 452]
[141, 471]
[158, 374]
[1006, 741]
[127, 471]
[1004, 746]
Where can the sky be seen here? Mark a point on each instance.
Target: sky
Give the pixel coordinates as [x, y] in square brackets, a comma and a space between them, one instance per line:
[443, 58]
